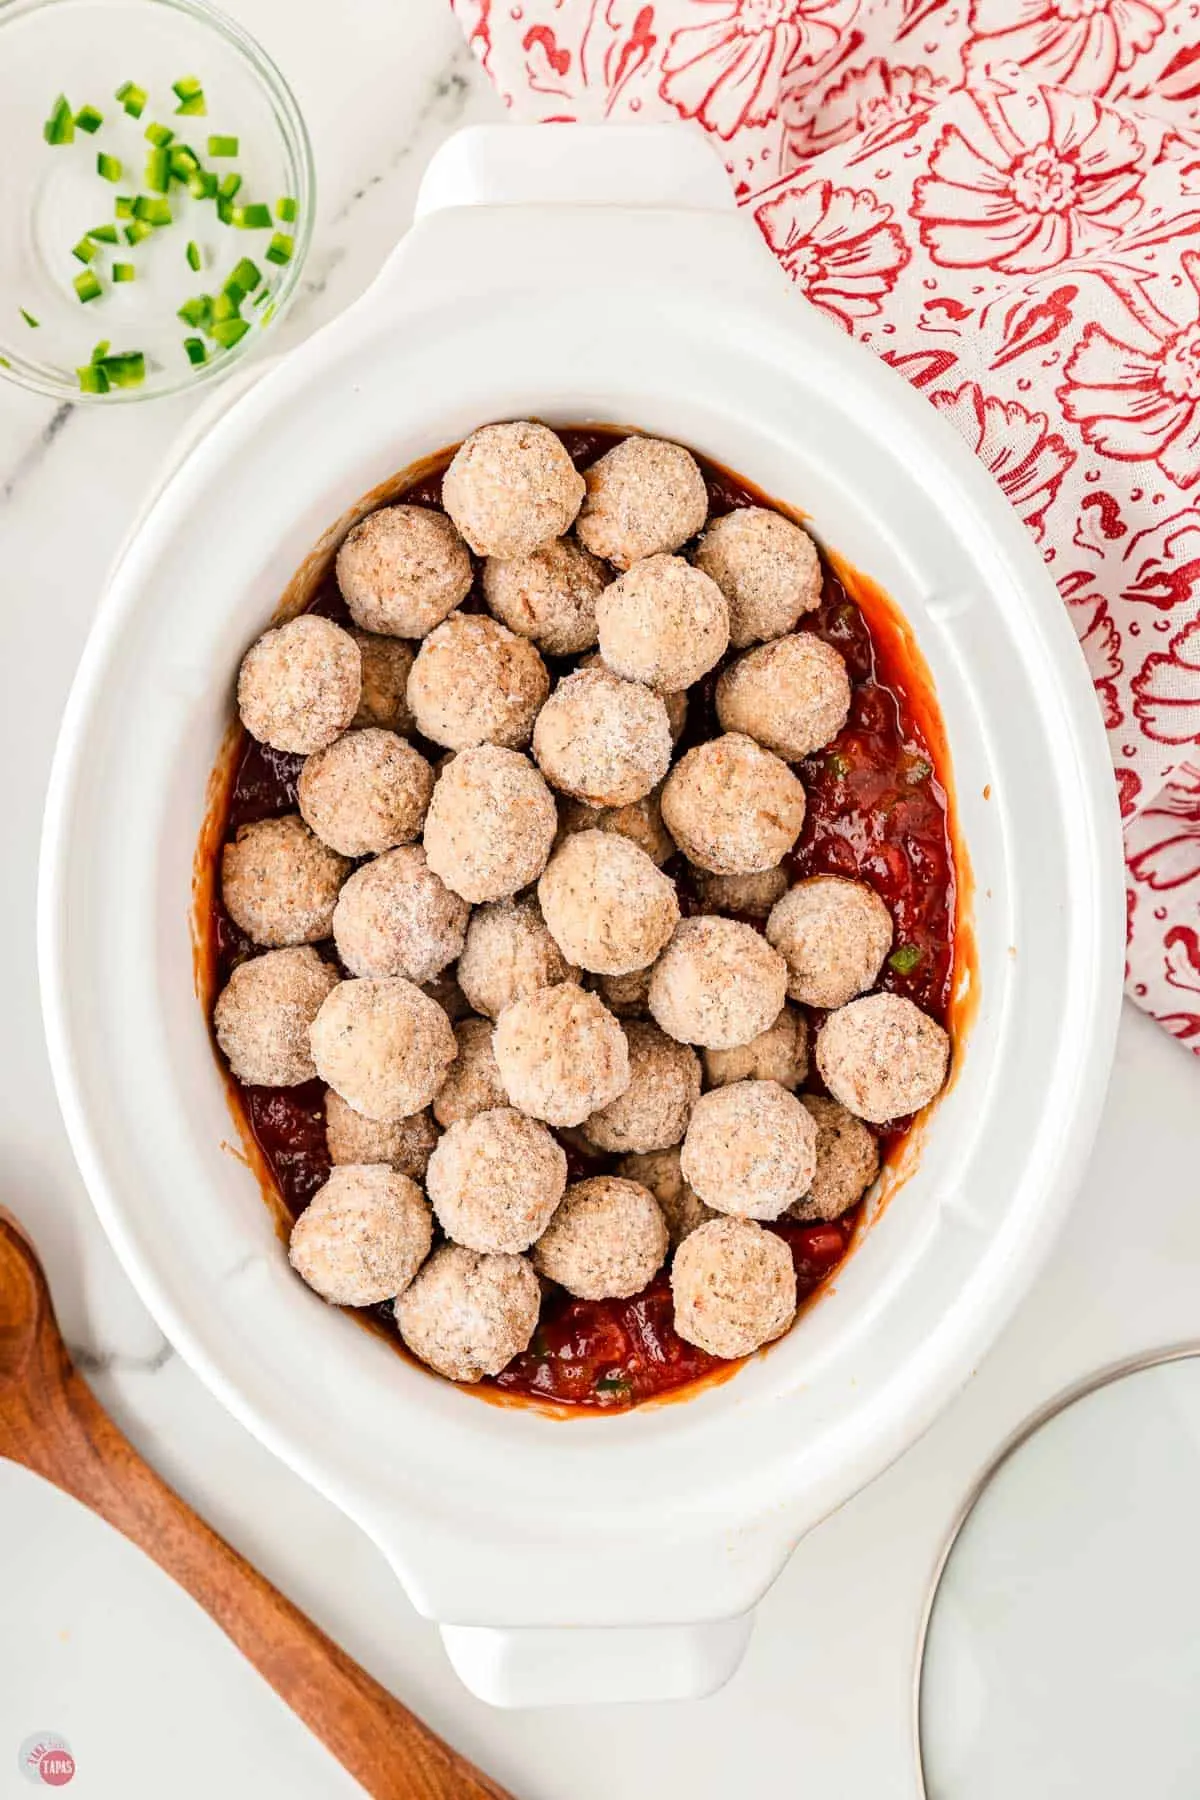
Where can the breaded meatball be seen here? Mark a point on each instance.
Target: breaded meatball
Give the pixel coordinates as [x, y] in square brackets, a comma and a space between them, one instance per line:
[732, 807]
[279, 883]
[640, 822]
[847, 1162]
[386, 662]
[734, 1287]
[680, 1205]
[299, 685]
[476, 682]
[676, 703]
[717, 984]
[509, 953]
[626, 995]
[512, 489]
[753, 895]
[606, 1241]
[833, 934]
[882, 1057]
[604, 740]
[780, 1053]
[767, 569]
[449, 996]
[677, 714]
[662, 623]
[608, 908]
[750, 1149]
[472, 1083]
[402, 570]
[792, 695]
[664, 1085]
[644, 496]
[405, 1144]
[490, 824]
[365, 793]
[561, 1054]
[383, 1045]
[466, 1314]
[363, 1235]
[263, 1013]
[548, 596]
[395, 917]
[495, 1181]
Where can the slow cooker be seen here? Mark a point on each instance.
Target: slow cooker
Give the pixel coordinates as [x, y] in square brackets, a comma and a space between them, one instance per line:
[574, 273]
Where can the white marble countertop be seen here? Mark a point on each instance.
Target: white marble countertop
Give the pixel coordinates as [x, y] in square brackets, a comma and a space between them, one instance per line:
[381, 82]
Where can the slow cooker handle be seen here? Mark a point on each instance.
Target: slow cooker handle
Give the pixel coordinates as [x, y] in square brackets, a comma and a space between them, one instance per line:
[633, 166]
[504, 209]
[586, 1666]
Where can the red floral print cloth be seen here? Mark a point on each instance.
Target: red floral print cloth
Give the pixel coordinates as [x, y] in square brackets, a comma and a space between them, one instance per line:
[1002, 198]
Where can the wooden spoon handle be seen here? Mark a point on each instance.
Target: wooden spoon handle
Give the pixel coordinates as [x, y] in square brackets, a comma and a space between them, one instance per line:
[383, 1745]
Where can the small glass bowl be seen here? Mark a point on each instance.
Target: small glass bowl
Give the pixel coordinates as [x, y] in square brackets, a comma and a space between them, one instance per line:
[51, 196]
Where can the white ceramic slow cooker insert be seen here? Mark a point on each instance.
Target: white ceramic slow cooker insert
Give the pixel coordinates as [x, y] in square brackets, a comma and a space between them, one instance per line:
[571, 273]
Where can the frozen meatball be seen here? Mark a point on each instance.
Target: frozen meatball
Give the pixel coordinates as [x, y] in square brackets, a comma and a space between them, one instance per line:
[383, 1045]
[676, 703]
[717, 984]
[405, 1144]
[476, 682]
[847, 1162]
[792, 695]
[677, 713]
[608, 908]
[750, 1149]
[664, 1085]
[640, 822]
[643, 496]
[386, 662]
[607, 1240]
[365, 793]
[395, 917]
[732, 807]
[263, 1014]
[403, 570]
[495, 1181]
[466, 1314]
[363, 1236]
[604, 740]
[626, 995]
[734, 1287]
[780, 1053]
[511, 489]
[449, 996]
[680, 1205]
[882, 1057]
[509, 953]
[767, 569]
[562, 1055]
[490, 824]
[833, 934]
[472, 1083]
[753, 895]
[279, 883]
[299, 685]
[549, 596]
[663, 623]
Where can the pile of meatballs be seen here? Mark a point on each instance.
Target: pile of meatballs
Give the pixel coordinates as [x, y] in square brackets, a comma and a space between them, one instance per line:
[513, 971]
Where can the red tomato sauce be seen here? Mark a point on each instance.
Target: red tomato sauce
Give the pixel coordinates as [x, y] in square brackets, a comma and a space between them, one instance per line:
[878, 809]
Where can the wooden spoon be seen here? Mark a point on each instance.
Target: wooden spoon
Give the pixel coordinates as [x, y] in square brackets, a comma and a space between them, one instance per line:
[51, 1422]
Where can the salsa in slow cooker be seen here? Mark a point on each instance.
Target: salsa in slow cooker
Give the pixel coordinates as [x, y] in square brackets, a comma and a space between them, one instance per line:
[878, 810]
